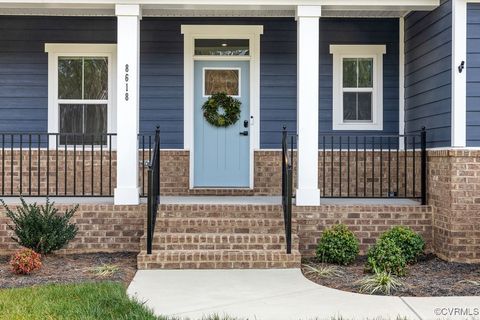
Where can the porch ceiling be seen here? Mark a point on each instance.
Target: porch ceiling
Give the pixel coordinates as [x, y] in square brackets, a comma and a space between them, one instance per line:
[218, 8]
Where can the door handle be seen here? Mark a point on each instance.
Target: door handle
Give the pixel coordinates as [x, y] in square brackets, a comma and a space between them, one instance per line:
[244, 133]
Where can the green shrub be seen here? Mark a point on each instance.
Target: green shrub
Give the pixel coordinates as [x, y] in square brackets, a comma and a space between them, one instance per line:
[338, 245]
[41, 228]
[386, 256]
[411, 244]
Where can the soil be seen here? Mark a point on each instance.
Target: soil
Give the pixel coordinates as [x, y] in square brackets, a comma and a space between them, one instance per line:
[73, 268]
[429, 277]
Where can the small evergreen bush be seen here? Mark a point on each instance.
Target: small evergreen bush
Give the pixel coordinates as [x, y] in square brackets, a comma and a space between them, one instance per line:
[386, 256]
[41, 228]
[411, 244]
[25, 261]
[338, 245]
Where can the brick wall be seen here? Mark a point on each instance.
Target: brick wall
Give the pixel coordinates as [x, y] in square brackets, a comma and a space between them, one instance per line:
[102, 228]
[454, 193]
[366, 221]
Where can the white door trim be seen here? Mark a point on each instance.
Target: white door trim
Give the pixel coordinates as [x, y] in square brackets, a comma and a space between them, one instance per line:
[192, 32]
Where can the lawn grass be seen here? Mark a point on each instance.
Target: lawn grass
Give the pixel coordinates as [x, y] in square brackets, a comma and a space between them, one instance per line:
[84, 301]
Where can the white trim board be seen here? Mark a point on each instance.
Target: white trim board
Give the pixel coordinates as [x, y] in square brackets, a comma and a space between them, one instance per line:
[56, 50]
[192, 32]
[459, 79]
[401, 82]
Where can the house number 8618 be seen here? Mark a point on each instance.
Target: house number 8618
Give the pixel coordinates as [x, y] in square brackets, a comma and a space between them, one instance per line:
[126, 82]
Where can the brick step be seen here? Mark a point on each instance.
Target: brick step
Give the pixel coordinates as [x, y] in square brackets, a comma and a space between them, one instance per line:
[219, 259]
[215, 241]
[219, 225]
[220, 211]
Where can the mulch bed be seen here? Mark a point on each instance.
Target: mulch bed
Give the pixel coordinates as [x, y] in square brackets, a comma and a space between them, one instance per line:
[430, 277]
[73, 268]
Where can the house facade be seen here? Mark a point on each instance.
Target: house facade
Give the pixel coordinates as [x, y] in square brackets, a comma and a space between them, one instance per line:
[360, 86]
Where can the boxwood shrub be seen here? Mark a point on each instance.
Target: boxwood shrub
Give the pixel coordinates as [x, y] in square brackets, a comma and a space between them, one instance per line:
[338, 245]
[386, 256]
[411, 244]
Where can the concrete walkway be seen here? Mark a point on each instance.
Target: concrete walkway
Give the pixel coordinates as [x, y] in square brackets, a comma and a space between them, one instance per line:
[277, 295]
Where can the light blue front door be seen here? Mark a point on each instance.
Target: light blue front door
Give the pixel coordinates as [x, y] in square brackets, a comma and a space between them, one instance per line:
[222, 155]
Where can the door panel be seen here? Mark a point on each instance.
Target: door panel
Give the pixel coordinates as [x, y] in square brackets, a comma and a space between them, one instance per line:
[221, 155]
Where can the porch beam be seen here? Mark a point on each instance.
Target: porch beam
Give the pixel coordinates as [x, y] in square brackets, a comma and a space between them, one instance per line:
[308, 193]
[128, 72]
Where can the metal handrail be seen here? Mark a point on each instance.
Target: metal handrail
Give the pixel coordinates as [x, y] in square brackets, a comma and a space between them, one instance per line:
[153, 197]
[287, 188]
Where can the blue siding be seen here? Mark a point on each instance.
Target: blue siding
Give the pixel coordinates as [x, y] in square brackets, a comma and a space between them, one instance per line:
[428, 73]
[24, 64]
[473, 75]
[360, 31]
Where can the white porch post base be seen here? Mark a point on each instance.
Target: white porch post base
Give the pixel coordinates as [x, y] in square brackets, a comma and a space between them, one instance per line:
[127, 196]
[128, 62]
[307, 197]
[308, 193]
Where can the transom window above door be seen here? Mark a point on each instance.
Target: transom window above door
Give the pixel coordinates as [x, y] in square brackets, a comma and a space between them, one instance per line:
[222, 47]
[357, 87]
[80, 92]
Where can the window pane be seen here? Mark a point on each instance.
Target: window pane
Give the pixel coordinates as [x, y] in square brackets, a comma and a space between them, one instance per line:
[349, 106]
[96, 78]
[70, 78]
[71, 118]
[219, 47]
[217, 80]
[365, 106]
[365, 73]
[350, 73]
[96, 123]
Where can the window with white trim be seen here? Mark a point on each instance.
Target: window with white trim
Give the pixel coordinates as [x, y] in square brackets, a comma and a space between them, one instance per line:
[81, 92]
[357, 87]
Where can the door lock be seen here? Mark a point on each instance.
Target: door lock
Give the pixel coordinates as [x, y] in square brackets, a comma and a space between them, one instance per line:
[245, 124]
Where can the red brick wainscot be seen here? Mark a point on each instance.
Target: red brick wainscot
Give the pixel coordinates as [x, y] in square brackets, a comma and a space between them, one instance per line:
[102, 228]
[454, 193]
[366, 221]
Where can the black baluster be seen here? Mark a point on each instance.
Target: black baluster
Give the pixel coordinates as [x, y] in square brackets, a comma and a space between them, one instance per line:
[38, 164]
[323, 168]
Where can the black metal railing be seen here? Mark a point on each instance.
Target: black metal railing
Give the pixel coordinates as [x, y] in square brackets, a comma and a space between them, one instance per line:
[65, 164]
[287, 186]
[373, 166]
[146, 144]
[153, 197]
[54, 164]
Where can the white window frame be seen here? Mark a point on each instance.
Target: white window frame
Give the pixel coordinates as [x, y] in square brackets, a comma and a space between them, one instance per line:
[375, 52]
[55, 51]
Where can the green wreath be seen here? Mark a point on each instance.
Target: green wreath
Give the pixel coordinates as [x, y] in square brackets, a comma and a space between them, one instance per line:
[230, 106]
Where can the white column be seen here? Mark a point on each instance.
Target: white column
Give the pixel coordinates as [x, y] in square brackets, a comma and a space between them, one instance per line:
[401, 82]
[459, 77]
[308, 193]
[128, 65]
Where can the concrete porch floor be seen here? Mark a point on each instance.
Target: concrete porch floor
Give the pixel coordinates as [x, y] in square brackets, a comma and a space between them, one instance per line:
[274, 295]
[259, 200]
